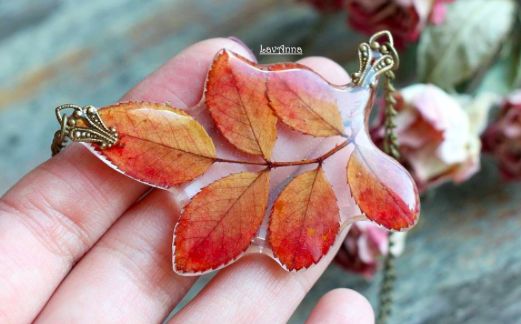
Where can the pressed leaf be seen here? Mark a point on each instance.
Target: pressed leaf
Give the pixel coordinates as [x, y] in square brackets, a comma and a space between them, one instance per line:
[220, 222]
[383, 189]
[236, 99]
[158, 144]
[303, 100]
[304, 220]
[468, 39]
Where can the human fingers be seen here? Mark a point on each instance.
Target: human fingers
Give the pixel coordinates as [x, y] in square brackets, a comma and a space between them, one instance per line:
[130, 269]
[343, 306]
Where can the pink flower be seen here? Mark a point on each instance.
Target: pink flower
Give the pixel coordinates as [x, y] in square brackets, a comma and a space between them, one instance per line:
[363, 247]
[439, 141]
[404, 18]
[438, 11]
[503, 137]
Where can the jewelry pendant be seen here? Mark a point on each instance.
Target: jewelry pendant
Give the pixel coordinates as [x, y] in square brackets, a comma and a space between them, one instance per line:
[274, 159]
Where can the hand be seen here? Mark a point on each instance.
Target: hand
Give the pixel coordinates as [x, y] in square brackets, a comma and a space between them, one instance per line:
[77, 244]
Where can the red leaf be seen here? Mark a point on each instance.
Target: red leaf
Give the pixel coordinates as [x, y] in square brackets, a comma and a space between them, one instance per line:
[303, 100]
[220, 222]
[304, 220]
[158, 144]
[236, 99]
[383, 189]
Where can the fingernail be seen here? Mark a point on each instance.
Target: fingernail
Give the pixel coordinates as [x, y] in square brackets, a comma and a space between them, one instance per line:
[243, 45]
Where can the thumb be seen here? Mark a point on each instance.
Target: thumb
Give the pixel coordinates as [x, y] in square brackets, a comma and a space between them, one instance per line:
[342, 306]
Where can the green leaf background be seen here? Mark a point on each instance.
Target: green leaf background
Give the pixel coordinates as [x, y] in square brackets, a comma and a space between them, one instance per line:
[466, 43]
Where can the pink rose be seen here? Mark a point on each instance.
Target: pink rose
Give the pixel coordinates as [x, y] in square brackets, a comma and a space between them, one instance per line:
[363, 247]
[438, 140]
[404, 18]
[503, 137]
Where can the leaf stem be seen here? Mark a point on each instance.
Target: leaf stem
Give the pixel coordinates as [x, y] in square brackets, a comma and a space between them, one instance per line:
[240, 162]
[276, 164]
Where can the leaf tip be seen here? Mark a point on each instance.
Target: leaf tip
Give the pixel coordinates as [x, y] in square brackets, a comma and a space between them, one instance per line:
[383, 189]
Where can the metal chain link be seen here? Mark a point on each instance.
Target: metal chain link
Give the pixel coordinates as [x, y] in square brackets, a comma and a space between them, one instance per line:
[385, 302]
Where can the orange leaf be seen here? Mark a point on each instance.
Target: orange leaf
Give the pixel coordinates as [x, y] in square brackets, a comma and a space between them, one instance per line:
[383, 189]
[304, 220]
[236, 99]
[158, 144]
[220, 222]
[303, 100]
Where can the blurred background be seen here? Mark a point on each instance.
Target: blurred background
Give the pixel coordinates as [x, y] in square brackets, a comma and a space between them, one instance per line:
[461, 264]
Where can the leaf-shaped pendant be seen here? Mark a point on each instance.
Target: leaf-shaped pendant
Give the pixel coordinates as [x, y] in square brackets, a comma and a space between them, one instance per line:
[291, 167]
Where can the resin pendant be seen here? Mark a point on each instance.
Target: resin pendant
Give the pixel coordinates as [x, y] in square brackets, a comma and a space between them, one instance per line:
[273, 160]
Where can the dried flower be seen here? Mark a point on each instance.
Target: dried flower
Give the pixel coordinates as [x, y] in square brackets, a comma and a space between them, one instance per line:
[363, 246]
[503, 137]
[439, 140]
[404, 18]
